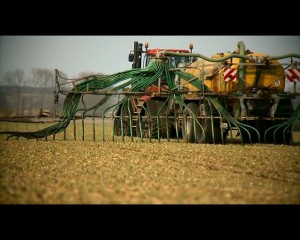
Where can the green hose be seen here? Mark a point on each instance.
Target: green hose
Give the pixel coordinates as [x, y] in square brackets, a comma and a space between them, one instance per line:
[136, 78]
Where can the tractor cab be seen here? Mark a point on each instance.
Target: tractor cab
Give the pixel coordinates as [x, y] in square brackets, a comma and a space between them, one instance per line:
[135, 56]
[173, 61]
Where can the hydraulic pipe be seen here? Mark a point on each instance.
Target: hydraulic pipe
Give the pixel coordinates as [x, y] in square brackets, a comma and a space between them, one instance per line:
[241, 68]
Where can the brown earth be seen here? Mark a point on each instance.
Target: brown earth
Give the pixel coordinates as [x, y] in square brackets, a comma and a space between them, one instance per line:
[121, 172]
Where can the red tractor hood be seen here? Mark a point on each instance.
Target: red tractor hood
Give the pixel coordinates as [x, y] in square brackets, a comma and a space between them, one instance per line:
[153, 52]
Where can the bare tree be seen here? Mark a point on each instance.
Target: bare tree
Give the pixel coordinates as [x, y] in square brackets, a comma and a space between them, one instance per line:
[43, 79]
[16, 80]
[28, 99]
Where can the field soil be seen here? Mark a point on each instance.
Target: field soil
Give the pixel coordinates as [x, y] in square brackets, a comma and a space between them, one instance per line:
[131, 171]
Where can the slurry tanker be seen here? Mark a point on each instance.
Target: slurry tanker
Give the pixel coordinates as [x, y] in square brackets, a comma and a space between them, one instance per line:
[178, 94]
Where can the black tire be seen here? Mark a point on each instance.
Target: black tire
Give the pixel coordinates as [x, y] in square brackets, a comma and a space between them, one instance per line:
[154, 127]
[117, 127]
[125, 120]
[210, 126]
[191, 127]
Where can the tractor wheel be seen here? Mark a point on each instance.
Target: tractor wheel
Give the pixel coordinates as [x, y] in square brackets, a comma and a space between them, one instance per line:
[210, 132]
[156, 127]
[125, 120]
[191, 131]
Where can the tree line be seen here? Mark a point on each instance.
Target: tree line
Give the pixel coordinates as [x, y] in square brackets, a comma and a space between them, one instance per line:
[24, 96]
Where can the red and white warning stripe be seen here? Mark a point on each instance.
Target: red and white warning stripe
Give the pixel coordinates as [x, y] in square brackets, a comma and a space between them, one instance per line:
[230, 75]
[293, 74]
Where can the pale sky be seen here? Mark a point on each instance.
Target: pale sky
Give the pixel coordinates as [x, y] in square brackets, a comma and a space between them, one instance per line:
[109, 54]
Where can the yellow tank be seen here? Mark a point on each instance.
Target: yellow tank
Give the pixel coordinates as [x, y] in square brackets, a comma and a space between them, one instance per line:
[271, 74]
